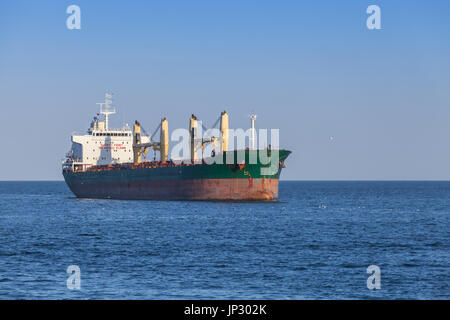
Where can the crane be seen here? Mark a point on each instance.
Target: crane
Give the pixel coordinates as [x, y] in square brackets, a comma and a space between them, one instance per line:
[141, 148]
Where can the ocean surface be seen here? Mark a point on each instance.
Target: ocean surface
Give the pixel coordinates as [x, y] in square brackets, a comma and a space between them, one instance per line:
[315, 243]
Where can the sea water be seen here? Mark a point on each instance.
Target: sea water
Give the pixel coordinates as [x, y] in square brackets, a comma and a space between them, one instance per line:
[316, 242]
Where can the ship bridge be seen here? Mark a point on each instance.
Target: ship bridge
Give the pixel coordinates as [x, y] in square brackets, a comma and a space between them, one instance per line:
[101, 145]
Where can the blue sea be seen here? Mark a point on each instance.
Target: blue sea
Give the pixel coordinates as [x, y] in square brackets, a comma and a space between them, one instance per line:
[315, 243]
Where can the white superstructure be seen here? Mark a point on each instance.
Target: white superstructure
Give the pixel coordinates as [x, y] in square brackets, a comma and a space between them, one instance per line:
[102, 145]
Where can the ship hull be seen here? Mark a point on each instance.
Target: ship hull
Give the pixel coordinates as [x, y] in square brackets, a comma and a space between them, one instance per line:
[215, 182]
[199, 189]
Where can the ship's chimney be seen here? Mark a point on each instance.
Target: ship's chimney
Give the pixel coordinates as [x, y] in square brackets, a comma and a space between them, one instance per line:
[224, 131]
[164, 139]
[193, 128]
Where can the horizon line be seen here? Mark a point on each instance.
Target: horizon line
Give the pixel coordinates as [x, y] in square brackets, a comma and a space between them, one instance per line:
[285, 180]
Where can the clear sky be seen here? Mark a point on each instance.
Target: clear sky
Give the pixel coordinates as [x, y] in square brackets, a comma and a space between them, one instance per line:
[310, 68]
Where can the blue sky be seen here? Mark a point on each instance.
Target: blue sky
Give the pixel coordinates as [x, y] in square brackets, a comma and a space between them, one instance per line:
[310, 68]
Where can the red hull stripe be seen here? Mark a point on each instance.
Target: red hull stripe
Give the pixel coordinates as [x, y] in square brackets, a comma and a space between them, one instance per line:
[199, 189]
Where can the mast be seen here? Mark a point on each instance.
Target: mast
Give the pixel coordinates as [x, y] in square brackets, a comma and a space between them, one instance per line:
[106, 108]
[252, 128]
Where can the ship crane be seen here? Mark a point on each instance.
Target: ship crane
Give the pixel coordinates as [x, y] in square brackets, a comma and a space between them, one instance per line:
[140, 148]
[197, 143]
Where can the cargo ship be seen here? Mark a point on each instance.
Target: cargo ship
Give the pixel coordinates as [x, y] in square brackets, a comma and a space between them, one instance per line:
[109, 163]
